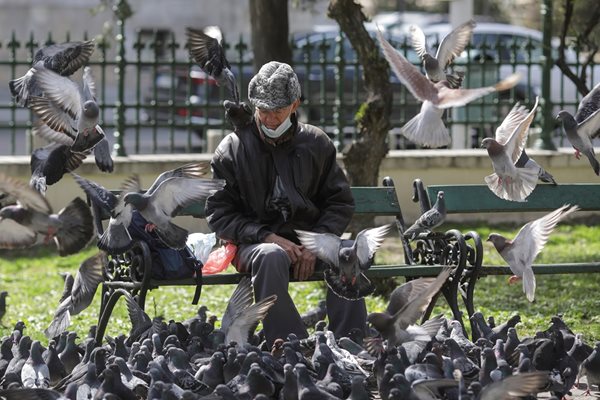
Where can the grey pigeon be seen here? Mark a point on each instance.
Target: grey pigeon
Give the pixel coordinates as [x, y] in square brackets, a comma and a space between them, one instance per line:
[88, 277]
[68, 109]
[520, 252]
[348, 260]
[3, 296]
[239, 114]
[289, 391]
[314, 315]
[451, 46]
[70, 355]
[429, 220]
[35, 372]
[509, 182]
[21, 355]
[590, 367]
[21, 224]
[584, 126]
[427, 127]
[50, 163]
[55, 366]
[142, 326]
[399, 327]
[159, 206]
[63, 58]
[527, 162]
[307, 389]
[206, 50]
[241, 317]
[211, 374]
[406, 293]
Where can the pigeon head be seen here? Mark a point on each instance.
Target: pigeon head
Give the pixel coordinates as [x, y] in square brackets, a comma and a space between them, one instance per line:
[90, 109]
[498, 241]
[492, 146]
[137, 200]
[567, 119]
[379, 320]
[16, 213]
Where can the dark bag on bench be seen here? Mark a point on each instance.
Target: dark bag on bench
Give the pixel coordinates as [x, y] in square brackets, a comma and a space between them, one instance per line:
[167, 263]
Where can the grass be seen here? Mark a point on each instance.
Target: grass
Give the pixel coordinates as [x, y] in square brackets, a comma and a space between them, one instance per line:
[32, 279]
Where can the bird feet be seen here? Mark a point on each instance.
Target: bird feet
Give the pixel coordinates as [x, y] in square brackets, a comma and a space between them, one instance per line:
[50, 233]
[513, 279]
[577, 154]
[149, 227]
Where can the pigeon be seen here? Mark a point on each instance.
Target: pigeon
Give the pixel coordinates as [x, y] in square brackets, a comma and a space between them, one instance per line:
[55, 366]
[160, 204]
[347, 260]
[206, 50]
[399, 327]
[63, 58]
[427, 127]
[520, 252]
[590, 367]
[584, 126]
[450, 47]
[241, 317]
[80, 296]
[527, 162]
[429, 220]
[509, 182]
[66, 108]
[35, 372]
[314, 315]
[21, 224]
[50, 163]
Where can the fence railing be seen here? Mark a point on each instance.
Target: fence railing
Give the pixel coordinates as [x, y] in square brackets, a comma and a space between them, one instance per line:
[153, 99]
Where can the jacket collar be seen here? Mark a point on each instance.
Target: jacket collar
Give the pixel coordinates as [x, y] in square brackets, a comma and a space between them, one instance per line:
[286, 137]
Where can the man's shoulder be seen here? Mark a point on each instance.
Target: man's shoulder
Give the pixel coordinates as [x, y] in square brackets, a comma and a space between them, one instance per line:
[314, 132]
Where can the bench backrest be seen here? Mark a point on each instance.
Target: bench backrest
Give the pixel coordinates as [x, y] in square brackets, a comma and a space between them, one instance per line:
[480, 199]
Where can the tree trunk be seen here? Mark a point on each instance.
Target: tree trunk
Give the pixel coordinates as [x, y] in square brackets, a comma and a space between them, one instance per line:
[270, 32]
[363, 158]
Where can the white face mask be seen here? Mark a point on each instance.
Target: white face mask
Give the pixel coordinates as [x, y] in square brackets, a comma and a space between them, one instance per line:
[280, 130]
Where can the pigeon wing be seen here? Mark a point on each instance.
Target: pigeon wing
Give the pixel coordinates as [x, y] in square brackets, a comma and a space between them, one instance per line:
[65, 58]
[98, 194]
[459, 97]
[87, 279]
[51, 135]
[368, 241]
[590, 126]
[192, 170]
[207, 52]
[417, 83]
[89, 85]
[240, 300]
[412, 311]
[247, 321]
[14, 235]
[60, 90]
[140, 321]
[511, 122]
[326, 246]
[176, 193]
[515, 386]
[454, 43]
[516, 143]
[417, 40]
[406, 293]
[26, 196]
[588, 105]
[131, 184]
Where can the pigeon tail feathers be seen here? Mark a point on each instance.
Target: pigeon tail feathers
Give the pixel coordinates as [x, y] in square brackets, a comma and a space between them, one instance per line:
[19, 88]
[172, 235]
[429, 132]
[115, 239]
[529, 284]
[513, 189]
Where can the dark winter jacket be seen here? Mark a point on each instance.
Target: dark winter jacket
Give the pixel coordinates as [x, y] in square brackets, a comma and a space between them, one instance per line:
[318, 192]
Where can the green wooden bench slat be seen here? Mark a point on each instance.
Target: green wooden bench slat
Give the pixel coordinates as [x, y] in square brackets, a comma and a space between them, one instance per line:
[368, 200]
[480, 199]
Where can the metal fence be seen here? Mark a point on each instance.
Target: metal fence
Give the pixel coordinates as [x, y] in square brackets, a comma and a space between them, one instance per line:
[155, 100]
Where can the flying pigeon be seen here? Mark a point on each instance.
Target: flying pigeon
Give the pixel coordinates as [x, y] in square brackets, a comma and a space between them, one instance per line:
[21, 224]
[515, 386]
[521, 251]
[49, 164]
[206, 50]
[429, 220]
[347, 259]
[427, 127]
[509, 182]
[450, 47]
[584, 127]
[66, 108]
[241, 317]
[80, 295]
[399, 327]
[527, 162]
[63, 58]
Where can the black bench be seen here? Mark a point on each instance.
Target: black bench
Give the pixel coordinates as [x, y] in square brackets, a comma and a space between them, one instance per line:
[426, 256]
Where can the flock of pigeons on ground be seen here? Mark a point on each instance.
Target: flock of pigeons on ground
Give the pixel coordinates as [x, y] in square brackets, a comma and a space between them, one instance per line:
[193, 359]
[396, 360]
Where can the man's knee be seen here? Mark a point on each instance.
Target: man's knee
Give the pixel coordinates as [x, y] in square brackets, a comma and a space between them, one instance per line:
[271, 257]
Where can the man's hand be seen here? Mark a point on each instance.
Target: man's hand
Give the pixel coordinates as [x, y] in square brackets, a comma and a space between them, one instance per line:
[305, 266]
[293, 251]
[239, 115]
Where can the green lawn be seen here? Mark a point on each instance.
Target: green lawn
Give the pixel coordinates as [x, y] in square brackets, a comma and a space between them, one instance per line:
[32, 279]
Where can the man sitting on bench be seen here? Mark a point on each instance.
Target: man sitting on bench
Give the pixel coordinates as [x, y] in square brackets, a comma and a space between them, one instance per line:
[281, 175]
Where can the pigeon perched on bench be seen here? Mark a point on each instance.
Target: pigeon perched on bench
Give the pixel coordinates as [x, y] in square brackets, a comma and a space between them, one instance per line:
[347, 260]
[429, 220]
